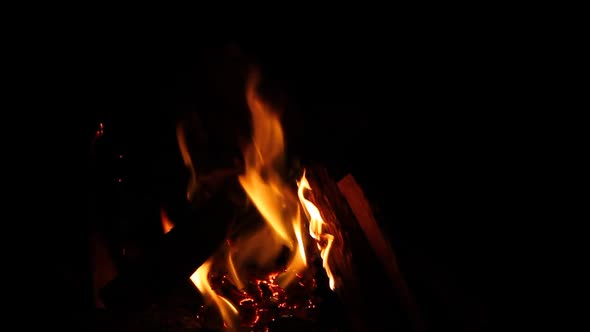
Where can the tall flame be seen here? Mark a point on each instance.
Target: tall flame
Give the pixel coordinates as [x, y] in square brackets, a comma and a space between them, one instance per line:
[316, 228]
[279, 205]
[261, 181]
[274, 199]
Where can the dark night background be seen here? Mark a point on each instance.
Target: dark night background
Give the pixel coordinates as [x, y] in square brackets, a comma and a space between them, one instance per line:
[424, 118]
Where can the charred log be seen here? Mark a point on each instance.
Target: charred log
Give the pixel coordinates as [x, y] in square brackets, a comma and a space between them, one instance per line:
[196, 235]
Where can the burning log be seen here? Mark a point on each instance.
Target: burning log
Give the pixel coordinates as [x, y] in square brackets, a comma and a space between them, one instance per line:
[363, 259]
[197, 233]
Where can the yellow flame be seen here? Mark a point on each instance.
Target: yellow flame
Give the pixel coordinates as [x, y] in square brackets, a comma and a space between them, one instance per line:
[186, 157]
[299, 236]
[228, 312]
[299, 261]
[277, 203]
[261, 181]
[167, 224]
[316, 226]
[233, 272]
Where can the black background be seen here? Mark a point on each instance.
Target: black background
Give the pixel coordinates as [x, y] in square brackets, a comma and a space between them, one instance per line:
[430, 120]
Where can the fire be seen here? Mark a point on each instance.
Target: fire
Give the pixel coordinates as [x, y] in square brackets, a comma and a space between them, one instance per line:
[279, 202]
[316, 228]
[167, 224]
[233, 272]
[200, 278]
[261, 181]
[188, 162]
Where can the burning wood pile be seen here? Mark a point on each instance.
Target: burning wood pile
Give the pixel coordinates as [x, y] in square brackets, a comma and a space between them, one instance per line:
[300, 251]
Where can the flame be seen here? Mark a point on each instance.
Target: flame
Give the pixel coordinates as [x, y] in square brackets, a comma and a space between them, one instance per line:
[299, 236]
[299, 261]
[316, 227]
[200, 279]
[232, 270]
[279, 202]
[167, 224]
[262, 180]
[186, 157]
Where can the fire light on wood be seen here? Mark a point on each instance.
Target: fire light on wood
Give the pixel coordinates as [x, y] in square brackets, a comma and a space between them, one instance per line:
[260, 288]
[288, 256]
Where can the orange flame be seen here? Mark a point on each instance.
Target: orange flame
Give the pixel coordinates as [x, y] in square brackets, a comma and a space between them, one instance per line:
[316, 228]
[263, 182]
[167, 224]
[299, 261]
[200, 279]
[186, 157]
[278, 204]
[233, 272]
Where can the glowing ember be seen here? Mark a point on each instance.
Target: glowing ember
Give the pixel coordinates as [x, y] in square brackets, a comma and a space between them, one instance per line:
[263, 300]
[100, 130]
[245, 279]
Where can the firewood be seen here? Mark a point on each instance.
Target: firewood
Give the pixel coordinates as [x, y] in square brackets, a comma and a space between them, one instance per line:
[179, 253]
[361, 208]
[370, 296]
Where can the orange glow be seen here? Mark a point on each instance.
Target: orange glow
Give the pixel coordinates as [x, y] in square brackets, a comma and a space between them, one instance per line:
[233, 272]
[299, 236]
[263, 182]
[299, 261]
[186, 157]
[200, 279]
[167, 224]
[279, 203]
[316, 228]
